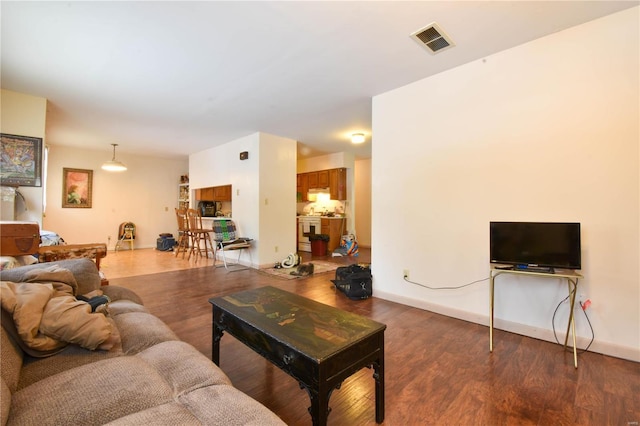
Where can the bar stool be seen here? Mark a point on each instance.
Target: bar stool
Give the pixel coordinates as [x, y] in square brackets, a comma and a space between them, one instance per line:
[184, 237]
[199, 235]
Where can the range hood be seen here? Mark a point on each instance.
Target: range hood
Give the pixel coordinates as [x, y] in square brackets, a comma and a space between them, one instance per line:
[313, 193]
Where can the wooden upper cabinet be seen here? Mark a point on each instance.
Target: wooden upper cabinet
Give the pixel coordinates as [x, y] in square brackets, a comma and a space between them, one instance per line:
[323, 179]
[313, 180]
[222, 193]
[204, 194]
[214, 193]
[334, 179]
[302, 187]
[338, 184]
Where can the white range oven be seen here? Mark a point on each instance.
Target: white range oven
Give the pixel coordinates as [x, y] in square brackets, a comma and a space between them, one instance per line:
[307, 225]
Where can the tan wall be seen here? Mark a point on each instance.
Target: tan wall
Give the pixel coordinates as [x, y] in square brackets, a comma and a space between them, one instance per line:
[362, 178]
[146, 194]
[25, 115]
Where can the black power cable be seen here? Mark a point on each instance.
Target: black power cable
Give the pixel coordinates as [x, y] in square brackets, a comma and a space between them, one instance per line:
[553, 324]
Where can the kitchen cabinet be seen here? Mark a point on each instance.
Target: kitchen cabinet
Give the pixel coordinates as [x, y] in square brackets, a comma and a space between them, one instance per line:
[214, 193]
[313, 180]
[334, 179]
[302, 187]
[222, 193]
[204, 194]
[338, 184]
[323, 179]
[334, 228]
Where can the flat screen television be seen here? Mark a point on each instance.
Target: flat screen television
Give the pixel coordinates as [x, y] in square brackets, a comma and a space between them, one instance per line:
[535, 244]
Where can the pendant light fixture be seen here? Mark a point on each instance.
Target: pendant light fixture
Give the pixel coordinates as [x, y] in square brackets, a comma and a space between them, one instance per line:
[114, 165]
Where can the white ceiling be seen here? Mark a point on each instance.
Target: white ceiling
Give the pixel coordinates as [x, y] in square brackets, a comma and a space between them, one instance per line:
[174, 78]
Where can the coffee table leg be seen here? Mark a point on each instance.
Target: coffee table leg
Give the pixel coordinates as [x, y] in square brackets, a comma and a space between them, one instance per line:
[319, 409]
[215, 339]
[378, 375]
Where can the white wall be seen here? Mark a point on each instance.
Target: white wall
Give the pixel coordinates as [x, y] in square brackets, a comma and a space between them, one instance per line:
[264, 184]
[146, 194]
[25, 115]
[546, 131]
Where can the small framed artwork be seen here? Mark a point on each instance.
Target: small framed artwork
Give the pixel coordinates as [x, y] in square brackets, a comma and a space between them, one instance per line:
[20, 160]
[77, 188]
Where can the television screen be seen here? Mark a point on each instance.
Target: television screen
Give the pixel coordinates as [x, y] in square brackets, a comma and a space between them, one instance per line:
[543, 244]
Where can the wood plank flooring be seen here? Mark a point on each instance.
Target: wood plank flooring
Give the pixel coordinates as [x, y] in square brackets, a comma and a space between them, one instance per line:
[438, 369]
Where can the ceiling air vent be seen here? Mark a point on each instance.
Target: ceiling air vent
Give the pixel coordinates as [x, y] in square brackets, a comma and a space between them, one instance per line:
[433, 38]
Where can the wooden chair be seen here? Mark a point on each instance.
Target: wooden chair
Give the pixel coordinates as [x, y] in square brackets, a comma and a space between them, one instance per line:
[199, 235]
[184, 237]
[227, 240]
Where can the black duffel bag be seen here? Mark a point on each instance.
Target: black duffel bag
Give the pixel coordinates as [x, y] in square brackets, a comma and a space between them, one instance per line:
[354, 281]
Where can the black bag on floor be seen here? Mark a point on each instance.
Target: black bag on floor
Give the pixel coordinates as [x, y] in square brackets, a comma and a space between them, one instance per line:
[165, 242]
[354, 281]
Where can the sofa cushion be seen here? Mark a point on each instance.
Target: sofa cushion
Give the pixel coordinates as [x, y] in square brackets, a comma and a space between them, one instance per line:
[182, 365]
[119, 307]
[36, 369]
[140, 330]
[5, 402]
[91, 394]
[171, 413]
[11, 355]
[121, 293]
[130, 389]
[210, 405]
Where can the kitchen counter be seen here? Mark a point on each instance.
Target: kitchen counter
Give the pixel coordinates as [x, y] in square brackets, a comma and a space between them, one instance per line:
[321, 217]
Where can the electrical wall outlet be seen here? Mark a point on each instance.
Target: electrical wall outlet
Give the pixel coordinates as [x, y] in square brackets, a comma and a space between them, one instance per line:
[276, 249]
[405, 274]
[584, 302]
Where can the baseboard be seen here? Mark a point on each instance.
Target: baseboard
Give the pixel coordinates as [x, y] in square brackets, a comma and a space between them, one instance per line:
[605, 348]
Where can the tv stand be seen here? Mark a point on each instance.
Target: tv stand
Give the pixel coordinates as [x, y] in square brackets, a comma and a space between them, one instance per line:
[572, 282]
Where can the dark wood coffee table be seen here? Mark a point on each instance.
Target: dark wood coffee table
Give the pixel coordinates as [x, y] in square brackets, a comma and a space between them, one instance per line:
[316, 344]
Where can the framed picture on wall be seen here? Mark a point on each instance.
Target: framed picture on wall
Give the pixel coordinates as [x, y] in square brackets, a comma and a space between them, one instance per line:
[20, 160]
[77, 188]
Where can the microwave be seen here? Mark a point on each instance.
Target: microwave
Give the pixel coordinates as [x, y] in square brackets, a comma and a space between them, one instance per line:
[207, 208]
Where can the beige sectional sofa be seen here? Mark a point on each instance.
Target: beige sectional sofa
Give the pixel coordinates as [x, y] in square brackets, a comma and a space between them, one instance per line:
[149, 377]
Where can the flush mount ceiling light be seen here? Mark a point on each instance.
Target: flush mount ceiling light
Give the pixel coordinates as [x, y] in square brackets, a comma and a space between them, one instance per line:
[357, 137]
[114, 165]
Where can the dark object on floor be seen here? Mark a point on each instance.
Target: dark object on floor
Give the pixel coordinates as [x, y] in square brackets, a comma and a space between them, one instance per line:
[303, 270]
[165, 242]
[354, 281]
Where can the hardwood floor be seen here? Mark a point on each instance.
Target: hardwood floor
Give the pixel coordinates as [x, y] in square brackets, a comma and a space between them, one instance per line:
[438, 369]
